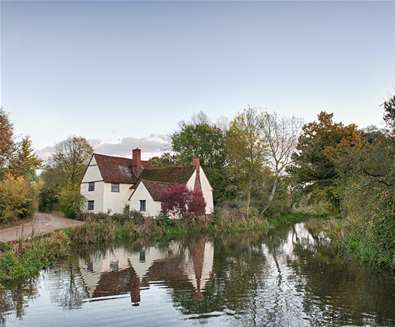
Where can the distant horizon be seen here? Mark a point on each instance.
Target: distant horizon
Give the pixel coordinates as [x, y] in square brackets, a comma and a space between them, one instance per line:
[124, 74]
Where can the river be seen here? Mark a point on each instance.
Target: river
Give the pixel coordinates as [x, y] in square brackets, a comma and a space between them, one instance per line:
[288, 278]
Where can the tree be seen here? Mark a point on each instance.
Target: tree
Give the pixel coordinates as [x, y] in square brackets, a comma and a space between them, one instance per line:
[6, 141]
[281, 136]
[71, 157]
[24, 162]
[313, 166]
[389, 112]
[197, 205]
[204, 140]
[71, 201]
[18, 197]
[175, 199]
[165, 160]
[246, 152]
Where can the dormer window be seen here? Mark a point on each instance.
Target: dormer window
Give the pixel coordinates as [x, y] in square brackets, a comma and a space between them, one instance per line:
[91, 186]
[115, 188]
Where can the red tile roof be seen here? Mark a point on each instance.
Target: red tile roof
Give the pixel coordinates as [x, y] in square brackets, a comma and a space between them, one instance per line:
[115, 169]
[155, 188]
[120, 170]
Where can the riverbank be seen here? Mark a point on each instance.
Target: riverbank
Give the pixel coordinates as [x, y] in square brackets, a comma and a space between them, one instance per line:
[24, 260]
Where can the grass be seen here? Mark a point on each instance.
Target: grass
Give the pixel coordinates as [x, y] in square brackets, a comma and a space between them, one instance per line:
[26, 260]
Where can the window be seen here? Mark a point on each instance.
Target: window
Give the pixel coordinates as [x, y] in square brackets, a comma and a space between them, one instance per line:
[142, 205]
[91, 205]
[91, 186]
[115, 188]
[142, 256]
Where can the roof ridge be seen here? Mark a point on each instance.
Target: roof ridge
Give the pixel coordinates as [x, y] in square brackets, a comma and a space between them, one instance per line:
[111, 156]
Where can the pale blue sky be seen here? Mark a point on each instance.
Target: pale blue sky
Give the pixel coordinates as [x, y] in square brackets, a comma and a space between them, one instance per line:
[113, 70]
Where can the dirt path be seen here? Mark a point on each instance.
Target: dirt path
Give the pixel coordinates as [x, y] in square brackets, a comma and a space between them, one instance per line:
[42, 223]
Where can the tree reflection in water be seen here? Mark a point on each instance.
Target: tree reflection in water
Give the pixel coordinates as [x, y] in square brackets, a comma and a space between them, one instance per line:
[288, 277]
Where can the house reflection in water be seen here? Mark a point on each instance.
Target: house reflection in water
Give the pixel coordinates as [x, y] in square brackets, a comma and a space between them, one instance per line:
[120, 271]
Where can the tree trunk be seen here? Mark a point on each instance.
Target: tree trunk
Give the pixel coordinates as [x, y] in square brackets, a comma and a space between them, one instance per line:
[272, 193]
[248, 199]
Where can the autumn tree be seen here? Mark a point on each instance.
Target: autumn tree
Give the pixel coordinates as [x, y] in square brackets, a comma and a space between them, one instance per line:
[246, 153]
[313, 167]
[6, 140]
[175, 199]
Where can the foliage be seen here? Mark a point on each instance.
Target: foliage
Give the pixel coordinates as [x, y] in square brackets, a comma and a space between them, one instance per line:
[23, 161]
[281, 136]
[6, 140]
[197, 205]
[175, 199]
[27, 261]
[178, 201]
[313, 167]
[62, 176]
[71, 157]
[246, 154]
[389, 112]
[204, 140]
[18, 197]
[165, 160]
[71, 201]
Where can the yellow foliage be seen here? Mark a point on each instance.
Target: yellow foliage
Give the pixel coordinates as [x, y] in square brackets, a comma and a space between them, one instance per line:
[18, 197]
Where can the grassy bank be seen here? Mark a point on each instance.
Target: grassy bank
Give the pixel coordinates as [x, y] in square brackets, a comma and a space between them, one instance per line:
[351, 239]
[25, 260]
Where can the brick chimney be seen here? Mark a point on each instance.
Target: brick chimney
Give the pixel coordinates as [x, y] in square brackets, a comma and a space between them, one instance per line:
[196, 163]
[136, 159]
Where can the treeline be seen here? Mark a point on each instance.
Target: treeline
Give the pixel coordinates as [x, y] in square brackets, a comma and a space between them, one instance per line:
[245, 159]
[19, 185]
[261, 164]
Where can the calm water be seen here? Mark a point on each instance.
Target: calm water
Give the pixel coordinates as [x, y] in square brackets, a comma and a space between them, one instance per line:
[286, 279]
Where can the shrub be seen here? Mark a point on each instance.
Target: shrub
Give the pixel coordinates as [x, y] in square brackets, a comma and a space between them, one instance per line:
[18, 197]
[70, 201]
[197, 206]
[175, 199]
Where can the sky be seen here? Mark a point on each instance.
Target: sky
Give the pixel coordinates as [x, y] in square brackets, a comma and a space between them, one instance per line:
[124, 74]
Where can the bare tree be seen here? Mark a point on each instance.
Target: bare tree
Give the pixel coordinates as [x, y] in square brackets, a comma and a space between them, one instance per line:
[281, 136]
[71, 156]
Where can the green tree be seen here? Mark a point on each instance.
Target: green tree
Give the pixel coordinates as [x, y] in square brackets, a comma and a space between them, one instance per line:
[165, 160]
[71, 201]
[246, 153]
[204, 140]
[63, 174]
[24, 162]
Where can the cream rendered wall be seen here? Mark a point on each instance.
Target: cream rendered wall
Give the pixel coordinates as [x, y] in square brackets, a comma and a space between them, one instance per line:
[153, 208]
[207, 190]
[115, 202]
[92, 174]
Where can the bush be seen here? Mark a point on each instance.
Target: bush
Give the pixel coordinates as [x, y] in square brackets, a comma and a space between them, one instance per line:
[70, 201]
[48, 200]
[18, 197]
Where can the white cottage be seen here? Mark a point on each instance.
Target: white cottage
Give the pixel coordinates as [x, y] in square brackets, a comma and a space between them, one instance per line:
[110, 183]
